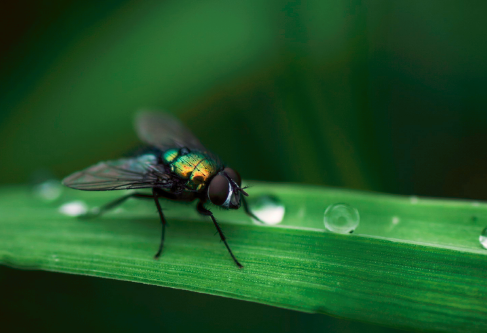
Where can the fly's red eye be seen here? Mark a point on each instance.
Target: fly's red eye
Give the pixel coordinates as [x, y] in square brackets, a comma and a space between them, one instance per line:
[233, 175]
[218, 190]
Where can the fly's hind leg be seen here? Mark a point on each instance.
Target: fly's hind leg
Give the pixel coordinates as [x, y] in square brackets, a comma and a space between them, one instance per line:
[111, 205]
[203, 211]
[155, 195]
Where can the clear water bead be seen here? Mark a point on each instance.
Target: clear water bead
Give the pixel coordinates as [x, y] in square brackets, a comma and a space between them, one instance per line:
[413, 199]
[48, 191]
[269, 209]
[483, 238]
[74, 208]
[341, 218]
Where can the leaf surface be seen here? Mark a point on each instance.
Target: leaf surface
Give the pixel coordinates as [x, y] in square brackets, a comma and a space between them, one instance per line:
[412, 263]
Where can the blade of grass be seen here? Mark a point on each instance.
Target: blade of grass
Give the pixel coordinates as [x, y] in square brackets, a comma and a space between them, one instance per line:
[413, 263]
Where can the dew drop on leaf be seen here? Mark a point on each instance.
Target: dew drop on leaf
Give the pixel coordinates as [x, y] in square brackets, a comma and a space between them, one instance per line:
[74, 208]
[483, 238]
[341, 218]
[269, 209]
[48, 191]
[413, 199]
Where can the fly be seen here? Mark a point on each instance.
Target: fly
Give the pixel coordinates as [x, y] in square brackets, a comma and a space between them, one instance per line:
[176, 166]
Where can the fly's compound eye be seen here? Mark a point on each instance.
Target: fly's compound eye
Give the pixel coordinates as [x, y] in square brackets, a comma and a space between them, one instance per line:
[218, 190]
[233, 175]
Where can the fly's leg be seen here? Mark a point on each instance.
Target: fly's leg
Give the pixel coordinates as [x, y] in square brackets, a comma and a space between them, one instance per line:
[248, 211]
[109, 206]
[121, 200]
[203, 211]
[163, 222]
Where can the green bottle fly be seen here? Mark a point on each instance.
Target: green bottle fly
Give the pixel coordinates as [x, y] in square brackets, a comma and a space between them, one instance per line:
[177, 167]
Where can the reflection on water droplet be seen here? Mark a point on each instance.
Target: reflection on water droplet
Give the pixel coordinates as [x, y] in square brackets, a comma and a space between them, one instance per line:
[413, 199]
[341, 218]
[483, 238]
[48, 191]
[475, 203]
[74, 208]
[269, 209]
[395, 220]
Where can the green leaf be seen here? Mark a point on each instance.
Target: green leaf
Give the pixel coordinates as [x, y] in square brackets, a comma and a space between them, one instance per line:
[412, 263]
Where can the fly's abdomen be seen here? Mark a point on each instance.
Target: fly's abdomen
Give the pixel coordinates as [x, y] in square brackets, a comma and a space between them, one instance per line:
[196, 167]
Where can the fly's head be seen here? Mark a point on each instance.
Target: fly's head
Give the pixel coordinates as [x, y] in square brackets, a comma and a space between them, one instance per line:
[225, 189]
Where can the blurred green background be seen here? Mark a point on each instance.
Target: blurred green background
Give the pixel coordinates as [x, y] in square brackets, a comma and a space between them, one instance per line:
[373, 95]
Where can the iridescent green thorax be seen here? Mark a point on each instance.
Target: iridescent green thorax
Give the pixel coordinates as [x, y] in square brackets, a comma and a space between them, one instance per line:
[197, 167]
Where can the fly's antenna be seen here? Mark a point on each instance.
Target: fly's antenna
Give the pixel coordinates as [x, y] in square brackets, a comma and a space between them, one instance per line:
[242, 190]
[236, 185]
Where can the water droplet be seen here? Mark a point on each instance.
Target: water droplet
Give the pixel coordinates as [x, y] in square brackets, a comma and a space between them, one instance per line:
[413, 199]
[269, 209]
[48, 191]
[341, 218]
[483, 238]
[395, 220]
[74, 208]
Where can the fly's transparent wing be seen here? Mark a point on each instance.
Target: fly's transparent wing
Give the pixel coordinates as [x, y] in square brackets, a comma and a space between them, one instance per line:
[122, 174]
[164, 131]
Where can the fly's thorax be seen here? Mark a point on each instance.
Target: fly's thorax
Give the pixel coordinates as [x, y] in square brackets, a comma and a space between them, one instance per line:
[202, 174]
[196, 167]
[184, 165]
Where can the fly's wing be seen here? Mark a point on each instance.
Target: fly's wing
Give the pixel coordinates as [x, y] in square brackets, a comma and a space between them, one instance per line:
[164, 131]
[122, 174]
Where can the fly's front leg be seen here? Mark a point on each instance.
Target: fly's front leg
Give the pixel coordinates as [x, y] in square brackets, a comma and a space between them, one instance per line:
[203, 211]
[109, 206]
[248, 211]
[163, 222]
